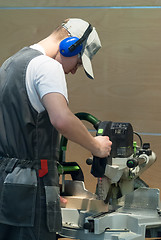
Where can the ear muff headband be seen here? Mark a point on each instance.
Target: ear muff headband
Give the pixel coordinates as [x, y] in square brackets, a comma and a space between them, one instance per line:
[71, 46]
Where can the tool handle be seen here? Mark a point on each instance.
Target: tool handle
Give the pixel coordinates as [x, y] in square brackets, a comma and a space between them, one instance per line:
[98, 166]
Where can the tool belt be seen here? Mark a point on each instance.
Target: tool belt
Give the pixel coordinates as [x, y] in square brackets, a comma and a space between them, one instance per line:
[19, 183]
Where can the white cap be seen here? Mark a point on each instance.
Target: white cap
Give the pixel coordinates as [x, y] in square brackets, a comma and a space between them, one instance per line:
[77, 27]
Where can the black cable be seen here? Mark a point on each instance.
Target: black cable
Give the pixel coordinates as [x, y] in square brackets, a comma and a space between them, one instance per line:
[141, 142]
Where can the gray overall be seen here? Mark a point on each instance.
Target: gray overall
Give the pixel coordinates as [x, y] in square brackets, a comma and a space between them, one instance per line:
[29, 202]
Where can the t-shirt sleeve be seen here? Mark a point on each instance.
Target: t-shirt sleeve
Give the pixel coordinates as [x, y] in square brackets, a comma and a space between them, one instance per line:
[44, 75]
[49, 77]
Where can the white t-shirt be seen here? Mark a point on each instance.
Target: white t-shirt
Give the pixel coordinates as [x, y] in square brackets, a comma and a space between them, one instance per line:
[44, 75]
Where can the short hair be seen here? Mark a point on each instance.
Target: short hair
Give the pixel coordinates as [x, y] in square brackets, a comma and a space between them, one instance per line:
[60, 32]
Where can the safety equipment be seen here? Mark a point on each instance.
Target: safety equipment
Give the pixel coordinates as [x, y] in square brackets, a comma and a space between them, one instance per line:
[71, 46]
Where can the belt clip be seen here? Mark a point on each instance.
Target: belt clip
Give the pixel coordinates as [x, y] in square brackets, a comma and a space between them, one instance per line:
[44, 167]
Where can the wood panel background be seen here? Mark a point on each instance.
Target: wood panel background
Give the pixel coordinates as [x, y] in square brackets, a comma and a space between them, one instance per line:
[127, 85]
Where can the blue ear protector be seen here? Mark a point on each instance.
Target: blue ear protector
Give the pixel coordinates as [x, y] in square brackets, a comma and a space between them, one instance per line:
[65, 45]
[71, 46]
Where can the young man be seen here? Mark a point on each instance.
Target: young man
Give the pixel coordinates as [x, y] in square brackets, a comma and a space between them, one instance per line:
[33, 110]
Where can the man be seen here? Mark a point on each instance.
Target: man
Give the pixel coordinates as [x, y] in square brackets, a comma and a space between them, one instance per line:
[33, 109]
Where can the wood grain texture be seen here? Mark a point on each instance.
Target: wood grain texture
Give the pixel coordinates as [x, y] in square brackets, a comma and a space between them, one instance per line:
[127, 85]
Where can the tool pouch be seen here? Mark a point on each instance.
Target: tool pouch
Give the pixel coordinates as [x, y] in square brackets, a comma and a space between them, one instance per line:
[18, 196]
[53, 208]
[52, 193]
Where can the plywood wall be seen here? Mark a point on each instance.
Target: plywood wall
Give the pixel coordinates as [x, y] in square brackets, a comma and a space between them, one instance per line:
[127, 85]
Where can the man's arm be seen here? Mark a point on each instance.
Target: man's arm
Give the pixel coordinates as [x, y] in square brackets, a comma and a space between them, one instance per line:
[72, 128]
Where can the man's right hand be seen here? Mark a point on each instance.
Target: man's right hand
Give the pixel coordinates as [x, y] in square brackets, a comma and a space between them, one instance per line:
[104, 146]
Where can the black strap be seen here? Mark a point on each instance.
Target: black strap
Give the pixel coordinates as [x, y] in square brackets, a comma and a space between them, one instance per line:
[82, 39]
[11, 164]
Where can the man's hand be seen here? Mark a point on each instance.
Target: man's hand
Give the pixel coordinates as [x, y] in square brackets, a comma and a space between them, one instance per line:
[104, 148]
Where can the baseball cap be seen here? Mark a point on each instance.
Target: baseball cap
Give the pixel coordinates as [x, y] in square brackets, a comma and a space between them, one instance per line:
[76, 28]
